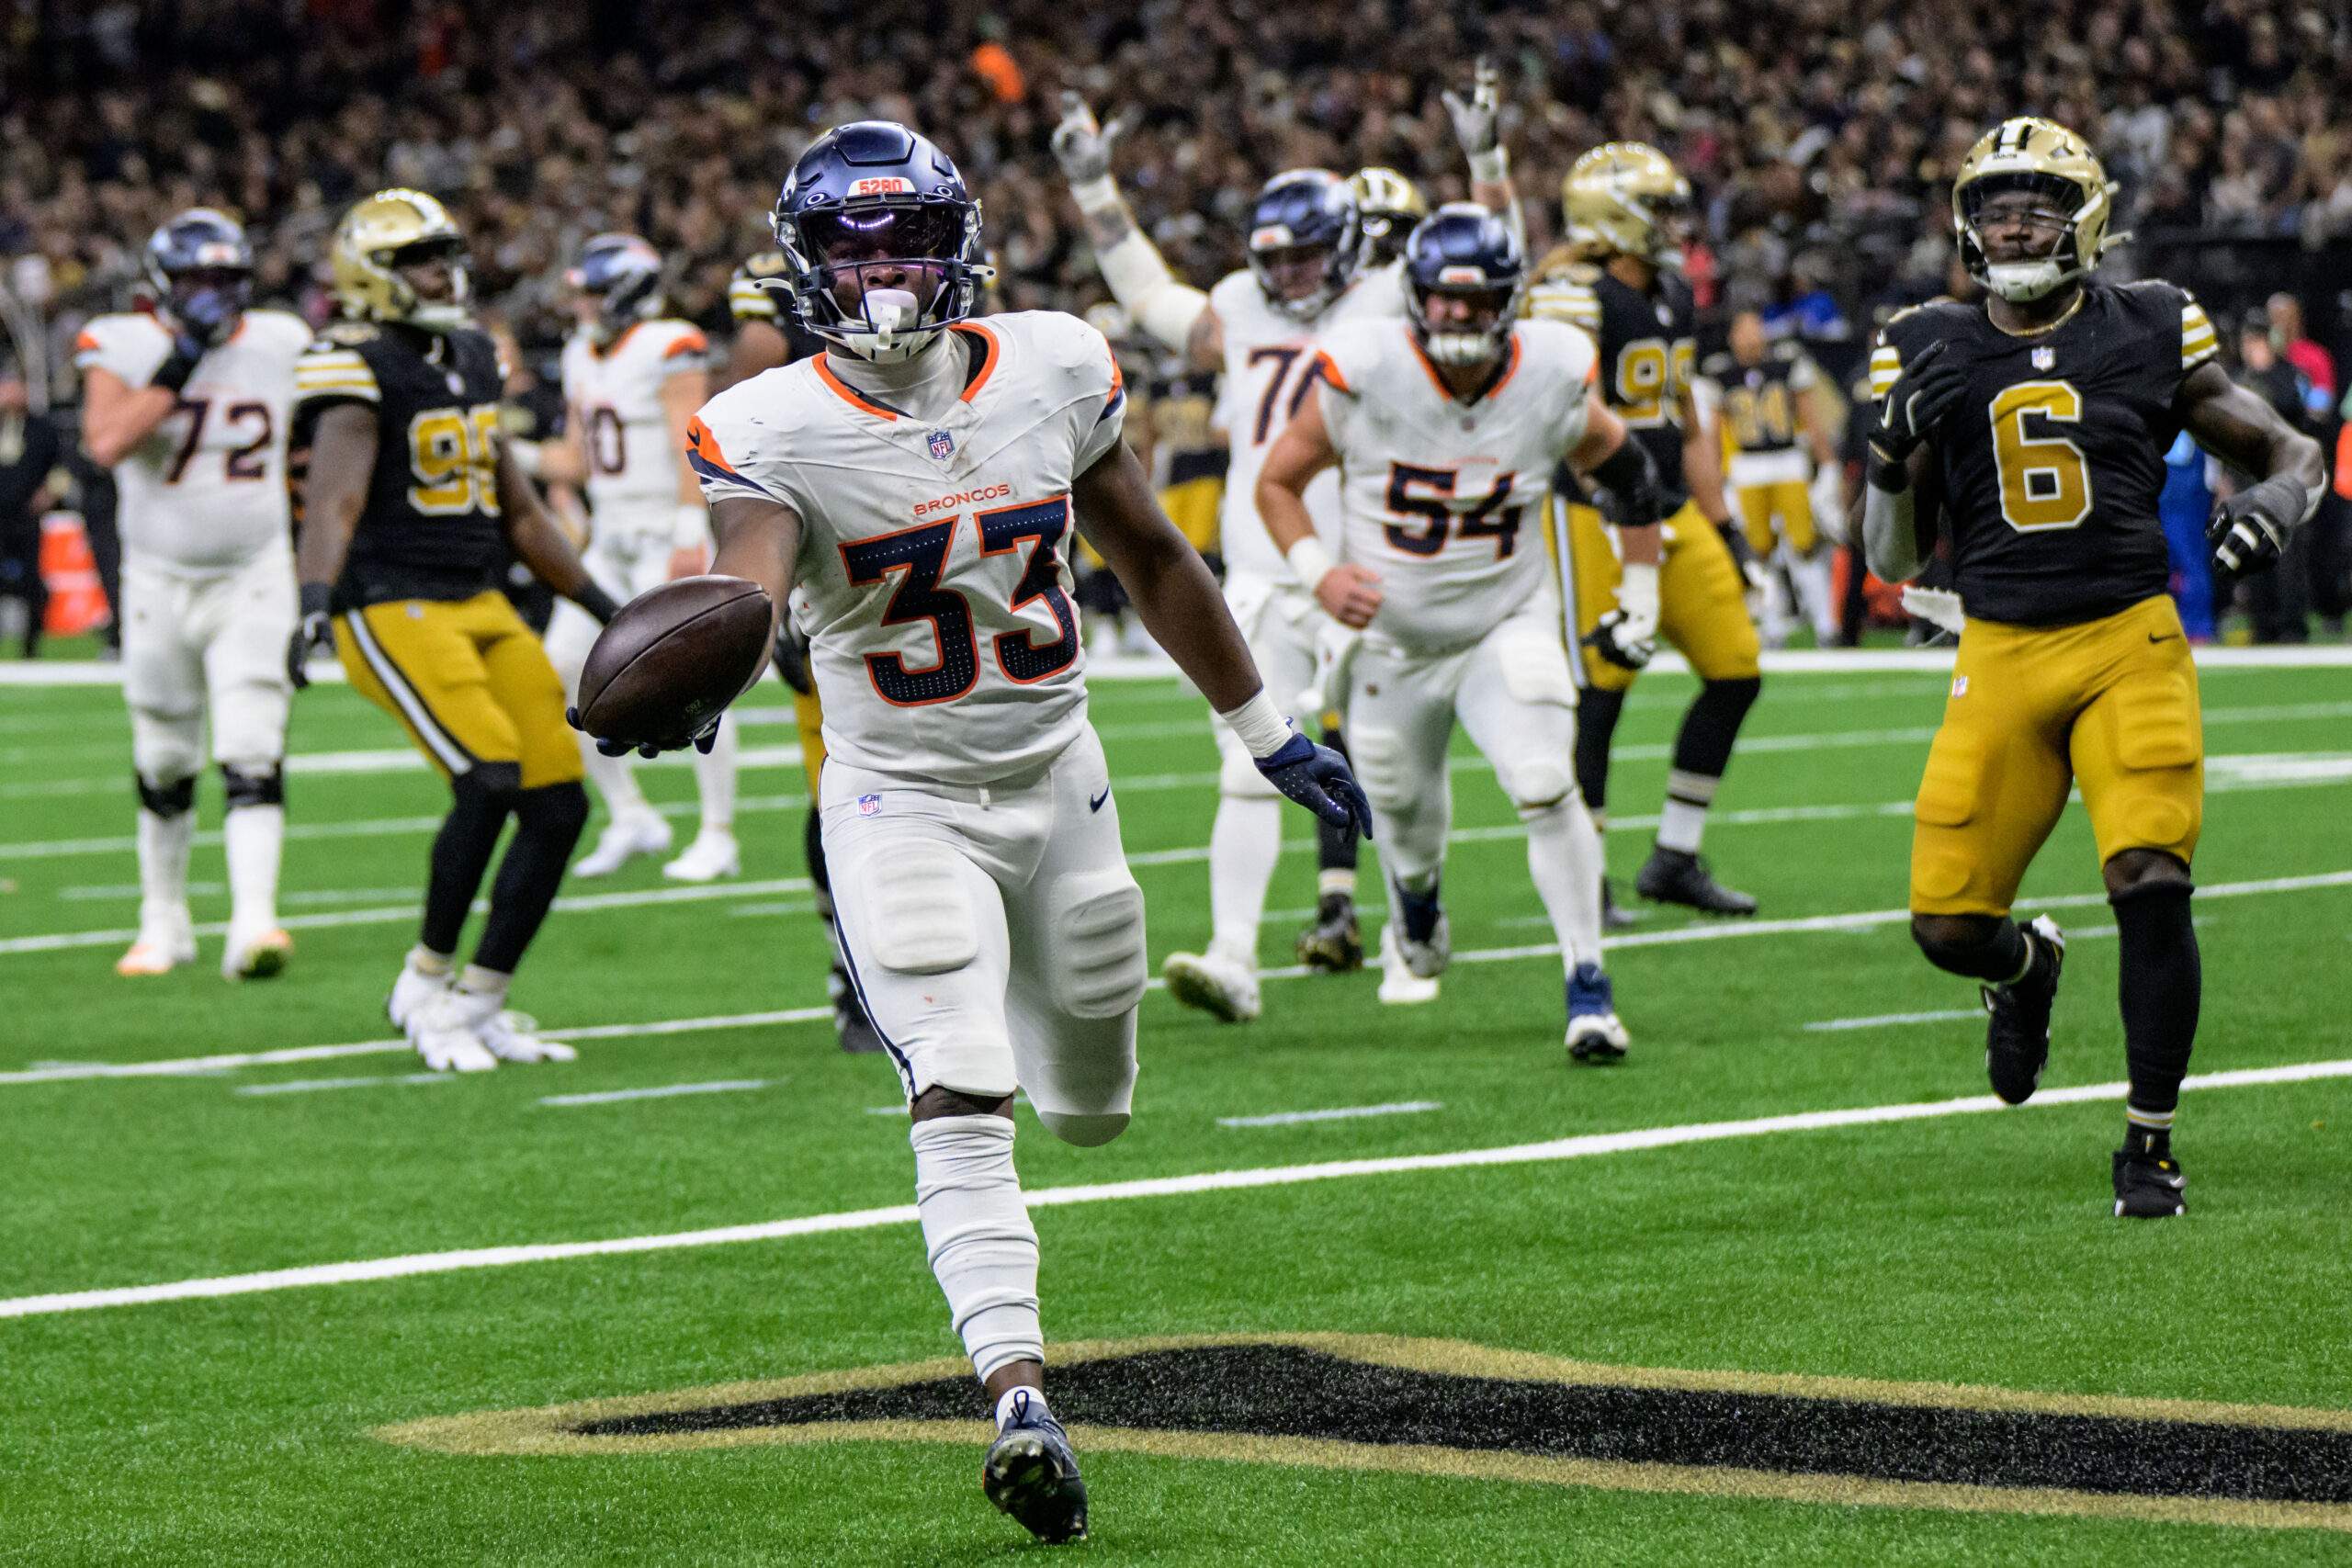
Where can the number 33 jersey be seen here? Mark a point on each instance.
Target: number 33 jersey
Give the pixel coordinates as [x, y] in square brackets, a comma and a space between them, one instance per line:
[1445, 499]
[205, 492]
[933, 562]
[2051, 462]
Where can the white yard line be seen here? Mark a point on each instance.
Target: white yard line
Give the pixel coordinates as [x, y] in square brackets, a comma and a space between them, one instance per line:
[1158, 1187]
[1344, 1114]
[612, 1096]
[1886, 1019]
[304, 1086]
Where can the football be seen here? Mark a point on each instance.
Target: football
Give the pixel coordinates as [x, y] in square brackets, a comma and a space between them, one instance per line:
[674, 656]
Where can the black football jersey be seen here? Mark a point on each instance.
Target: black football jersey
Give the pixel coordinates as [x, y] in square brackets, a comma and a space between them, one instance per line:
[748, 301]
[431, 528]
[1648, 352]
[1760, 401]
[2052, 463]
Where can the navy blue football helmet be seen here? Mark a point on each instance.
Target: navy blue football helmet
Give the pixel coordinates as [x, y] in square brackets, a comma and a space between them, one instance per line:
[1298, 210]
[877, 211]
[202, 269]
[623, 274]
[1465, 251]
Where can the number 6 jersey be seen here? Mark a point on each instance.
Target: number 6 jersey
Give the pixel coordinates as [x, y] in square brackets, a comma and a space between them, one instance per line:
[2051, 461]
[932, 559]
[205, 492]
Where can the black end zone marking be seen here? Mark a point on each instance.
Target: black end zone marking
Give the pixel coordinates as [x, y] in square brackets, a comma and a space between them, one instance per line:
[1442, 1408]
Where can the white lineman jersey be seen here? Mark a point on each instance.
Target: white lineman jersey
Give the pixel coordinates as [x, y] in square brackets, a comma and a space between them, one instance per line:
[205, 493]
[932, 563]
[614, 395]
[1444, 499]
[1269, 365]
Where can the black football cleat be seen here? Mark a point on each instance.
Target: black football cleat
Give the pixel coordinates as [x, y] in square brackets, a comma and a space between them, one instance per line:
[2148, 1185]
[2017, 1030]
[1613, 917]
[1031, 1473]
[1331, 944]
[858, 1036]
[1672, 876]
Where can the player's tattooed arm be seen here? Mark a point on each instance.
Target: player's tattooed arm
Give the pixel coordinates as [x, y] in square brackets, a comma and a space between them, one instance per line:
[1176, 313]
[1164, 576]
[2248, 530]
[1348, 592]
[758, 541]
[541, 544]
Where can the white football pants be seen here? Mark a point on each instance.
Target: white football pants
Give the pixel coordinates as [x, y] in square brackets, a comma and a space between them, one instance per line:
[1512, 691]
[1278, 624]
[626, 563]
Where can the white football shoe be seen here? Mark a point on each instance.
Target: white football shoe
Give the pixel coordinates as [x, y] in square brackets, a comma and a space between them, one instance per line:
[630, 833]
[445, 1031]
[1217, 983]
[258, 957]
[713, 854]
[164, 941]
[512, 1037]
[1399, 987]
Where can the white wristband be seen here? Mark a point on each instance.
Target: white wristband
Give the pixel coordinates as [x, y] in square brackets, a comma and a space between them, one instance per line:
[1310, 559]
[1490, 168]
[1260, 725]
[690, 524]
[1097, 195]
[530, 458]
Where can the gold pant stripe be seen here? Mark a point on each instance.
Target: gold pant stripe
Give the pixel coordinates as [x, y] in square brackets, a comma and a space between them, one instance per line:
[409, 707]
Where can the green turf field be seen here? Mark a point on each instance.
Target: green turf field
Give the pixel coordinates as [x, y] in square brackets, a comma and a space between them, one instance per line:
[1952, 1249]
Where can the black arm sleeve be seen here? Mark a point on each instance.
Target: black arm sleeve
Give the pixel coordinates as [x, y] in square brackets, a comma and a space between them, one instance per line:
[1626, 481]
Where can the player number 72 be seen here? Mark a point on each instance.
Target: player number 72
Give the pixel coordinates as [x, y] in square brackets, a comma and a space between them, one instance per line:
[921, 553]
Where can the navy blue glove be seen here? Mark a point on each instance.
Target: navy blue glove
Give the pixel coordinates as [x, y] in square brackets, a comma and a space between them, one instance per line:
[702, 740]
[1318, 778]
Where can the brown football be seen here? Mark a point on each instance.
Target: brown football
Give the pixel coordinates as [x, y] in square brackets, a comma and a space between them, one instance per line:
[674, 656]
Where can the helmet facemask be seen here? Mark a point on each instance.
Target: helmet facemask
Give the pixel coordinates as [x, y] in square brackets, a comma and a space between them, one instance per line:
[1467, 257]
[883, 277]
[2046, 202]
[446, 315]
[1469, 341]
[201, 269]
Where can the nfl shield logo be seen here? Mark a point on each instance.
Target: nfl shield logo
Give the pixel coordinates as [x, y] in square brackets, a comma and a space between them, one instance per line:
[869, 806]
[2044, 358]
[943, 445]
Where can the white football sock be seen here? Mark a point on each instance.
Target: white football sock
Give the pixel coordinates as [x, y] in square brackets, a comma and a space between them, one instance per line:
[1333, 879]
[483, 982]
[1815, 587]
[1564, 857]
[977, 1230]
[163, 867]
[715, 777]
[254, 837]
[1244, 844]
[615, 778]
[1012, 1398]
[1682, 820]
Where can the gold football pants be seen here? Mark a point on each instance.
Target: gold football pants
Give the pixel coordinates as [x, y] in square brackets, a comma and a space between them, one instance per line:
[1702, 602]
[467, 680]
[2109, 704]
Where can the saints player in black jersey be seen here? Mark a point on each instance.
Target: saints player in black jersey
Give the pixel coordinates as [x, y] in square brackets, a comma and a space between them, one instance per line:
[1768, 399]
[411, 508]
[1616, 278]
[2035, 423]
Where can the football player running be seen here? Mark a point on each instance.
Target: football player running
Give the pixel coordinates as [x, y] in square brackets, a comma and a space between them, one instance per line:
[1617, 277]
[1258, 325]
[2035, 423]
[1770, 404]
[917, 483]
[190, 407]
[411, 511]
[1444, 430]
[632, 378]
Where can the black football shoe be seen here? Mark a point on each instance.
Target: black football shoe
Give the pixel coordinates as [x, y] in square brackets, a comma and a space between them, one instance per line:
[2016, 1031]
[1672, 876]
[2148, 1185]
[1331, 944]
[1031, 1473]
[857, 1033]
[1613, 916]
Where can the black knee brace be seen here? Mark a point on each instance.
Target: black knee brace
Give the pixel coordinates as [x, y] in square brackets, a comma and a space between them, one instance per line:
[1712, 726]
[267, 789]
[1999, 958]
[166, 801]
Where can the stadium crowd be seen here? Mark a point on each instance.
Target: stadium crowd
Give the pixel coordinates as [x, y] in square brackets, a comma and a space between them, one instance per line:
[1817, 133]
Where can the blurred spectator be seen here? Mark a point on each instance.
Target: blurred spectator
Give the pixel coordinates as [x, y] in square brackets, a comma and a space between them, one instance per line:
[2278, 601]
[28, 453]
[2183, 506]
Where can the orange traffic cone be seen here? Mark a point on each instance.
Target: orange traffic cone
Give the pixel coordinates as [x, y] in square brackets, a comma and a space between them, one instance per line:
[77, 599]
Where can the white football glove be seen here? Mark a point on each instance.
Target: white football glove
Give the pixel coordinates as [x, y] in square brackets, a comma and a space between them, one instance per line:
[1937, 606]
[1081, 146]
[1627, 636]
[1478, 123]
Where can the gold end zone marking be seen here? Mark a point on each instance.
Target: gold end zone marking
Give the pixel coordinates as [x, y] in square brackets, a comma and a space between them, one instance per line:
[550, 1430]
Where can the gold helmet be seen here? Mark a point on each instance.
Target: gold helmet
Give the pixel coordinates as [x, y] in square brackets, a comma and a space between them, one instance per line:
[1626, 198]
[1390, 205]
[2045, 158]
[390, 228]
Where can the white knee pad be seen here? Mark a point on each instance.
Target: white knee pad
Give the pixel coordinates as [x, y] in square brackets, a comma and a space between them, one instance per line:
[1099, 964]
[1534, 663]
[1539, 786]
[167, 747]
[1378, 758]
[922, 921]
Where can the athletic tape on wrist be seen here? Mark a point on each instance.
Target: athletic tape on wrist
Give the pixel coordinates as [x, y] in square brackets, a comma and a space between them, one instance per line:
[1311, 559]
[1260, 725]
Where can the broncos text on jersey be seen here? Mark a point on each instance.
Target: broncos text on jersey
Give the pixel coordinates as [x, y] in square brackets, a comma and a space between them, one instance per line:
[2050, 465]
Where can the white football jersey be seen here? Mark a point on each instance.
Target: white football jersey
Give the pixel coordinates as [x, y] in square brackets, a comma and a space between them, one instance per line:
[615, 394]
[205, 492]
[934, 570]
[1445, 499]
[1269, 361]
